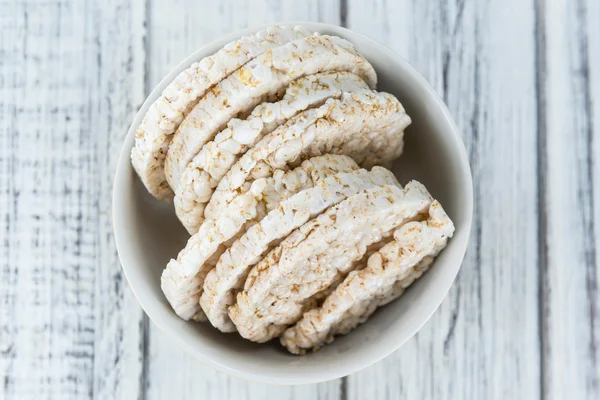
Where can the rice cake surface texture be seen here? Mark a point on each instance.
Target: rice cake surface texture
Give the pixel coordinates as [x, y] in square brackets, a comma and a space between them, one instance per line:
[368, 126]
[154, 134]
[388, 273]
[183, 278]
[204, 172]
[281, 287]
[228, 276]
[266, 75]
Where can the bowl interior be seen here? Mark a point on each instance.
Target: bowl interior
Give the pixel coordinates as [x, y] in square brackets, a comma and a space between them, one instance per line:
[148, 234]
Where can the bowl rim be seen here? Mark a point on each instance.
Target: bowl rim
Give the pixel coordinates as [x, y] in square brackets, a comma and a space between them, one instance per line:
[123, 163]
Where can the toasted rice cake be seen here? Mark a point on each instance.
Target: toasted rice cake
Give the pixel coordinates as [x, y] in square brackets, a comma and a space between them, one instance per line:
[204, 172]
[368, 126]
[154, 134]
[232, 268]
[183, 278]
[388, 273]
[267, 75]
[283, 285]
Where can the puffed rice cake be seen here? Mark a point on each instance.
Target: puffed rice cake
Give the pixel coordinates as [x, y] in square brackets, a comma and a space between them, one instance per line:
[250, 85]
[232, 268]
[368, 126]
[280, 287]
[388, 273]
[183, 277]
[204, 172]
[153, 136]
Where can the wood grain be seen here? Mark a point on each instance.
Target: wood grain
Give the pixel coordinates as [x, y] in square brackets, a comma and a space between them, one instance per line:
[117, 91]
[570, 39]
[69, 323]
[483, 341]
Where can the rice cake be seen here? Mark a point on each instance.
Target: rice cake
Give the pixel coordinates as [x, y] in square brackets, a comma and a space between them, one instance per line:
[204, 172]
[373, 122]
[251, 84]
[234, 264]
[183, 277]
[154, 134]
[387, 274]
[279, 288]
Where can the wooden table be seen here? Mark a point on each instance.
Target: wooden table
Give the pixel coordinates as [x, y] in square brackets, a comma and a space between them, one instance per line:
[522, 79]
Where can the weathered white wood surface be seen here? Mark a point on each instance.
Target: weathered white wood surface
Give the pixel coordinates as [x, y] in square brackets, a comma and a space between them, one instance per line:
[69, 325]
[570, 112]
[522, 81]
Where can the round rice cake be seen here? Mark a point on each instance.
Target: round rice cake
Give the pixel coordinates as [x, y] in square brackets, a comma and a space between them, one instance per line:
[281, 287]
[387, 274]
[368, 126]
[228, 276]
[359, 313]
[204, 172]
[250, 85]
[182, 279]
[153, 135]
[317, 299]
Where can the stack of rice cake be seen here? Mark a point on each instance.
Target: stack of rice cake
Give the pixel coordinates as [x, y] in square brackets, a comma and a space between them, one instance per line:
[273, 151]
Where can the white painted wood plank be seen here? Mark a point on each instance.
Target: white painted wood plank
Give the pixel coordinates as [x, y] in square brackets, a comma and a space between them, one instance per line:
[483, 342]
[117, 91]
[572, 121]
[69, 327]
[593, 9]
[176, 29]
[48, 278]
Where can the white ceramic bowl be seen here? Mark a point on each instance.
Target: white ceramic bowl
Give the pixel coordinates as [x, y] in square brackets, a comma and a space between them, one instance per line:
[148, 235]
